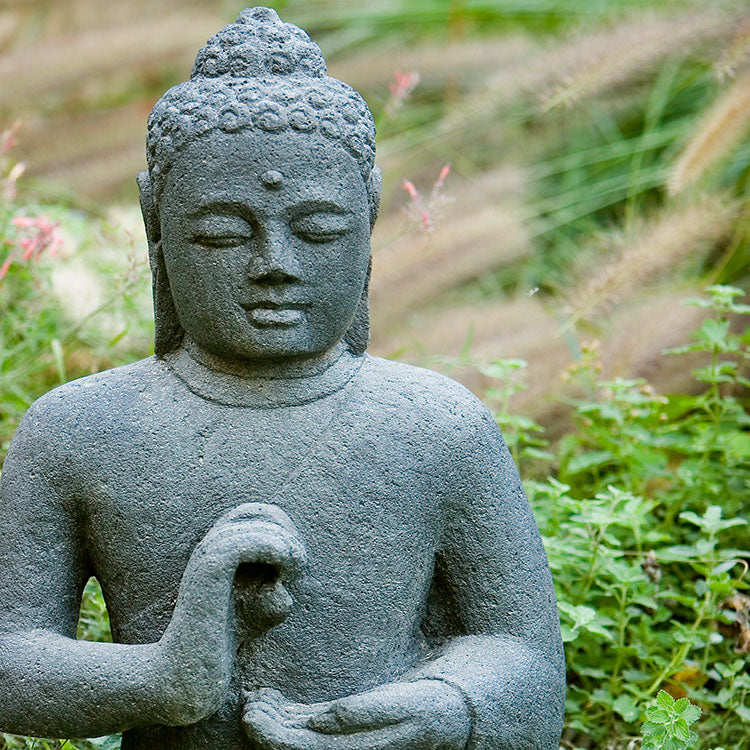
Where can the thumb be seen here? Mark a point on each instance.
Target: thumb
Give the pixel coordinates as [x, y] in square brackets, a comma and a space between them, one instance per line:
[356, 713]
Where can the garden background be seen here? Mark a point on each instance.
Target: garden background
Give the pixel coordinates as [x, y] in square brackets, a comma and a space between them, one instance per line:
[559, 176]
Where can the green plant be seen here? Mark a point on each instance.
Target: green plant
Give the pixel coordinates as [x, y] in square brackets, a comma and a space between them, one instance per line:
[667, 726]
[647, 540]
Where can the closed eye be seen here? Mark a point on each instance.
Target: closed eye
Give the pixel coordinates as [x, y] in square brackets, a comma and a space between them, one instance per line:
[321, 226]
[221, 230]
[220, 240]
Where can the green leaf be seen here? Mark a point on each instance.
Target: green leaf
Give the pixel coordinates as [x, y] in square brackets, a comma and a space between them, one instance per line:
[589, 460]
[692, 713]
[714, 332]
[681, 730]
[664, 700]
[653, 729]
[657, 715]
[626, 707]
[744, 713]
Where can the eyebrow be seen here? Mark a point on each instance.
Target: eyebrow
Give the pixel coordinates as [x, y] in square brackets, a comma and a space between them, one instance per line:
[319, 204]
[243, 211]
[236, 208]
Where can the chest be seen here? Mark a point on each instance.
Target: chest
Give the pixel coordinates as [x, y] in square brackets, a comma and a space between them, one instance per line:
[360, 494]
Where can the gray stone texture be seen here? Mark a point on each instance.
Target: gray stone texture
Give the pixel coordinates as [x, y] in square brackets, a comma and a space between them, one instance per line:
[302, 547]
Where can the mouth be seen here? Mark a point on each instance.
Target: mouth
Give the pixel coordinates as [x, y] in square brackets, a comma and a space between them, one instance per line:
[266, 313]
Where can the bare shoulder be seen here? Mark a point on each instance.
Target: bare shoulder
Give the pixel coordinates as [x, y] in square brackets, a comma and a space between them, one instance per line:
[77, 410]
[425, 396]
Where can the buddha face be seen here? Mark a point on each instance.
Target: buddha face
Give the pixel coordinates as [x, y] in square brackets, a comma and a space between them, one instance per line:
[266, 243]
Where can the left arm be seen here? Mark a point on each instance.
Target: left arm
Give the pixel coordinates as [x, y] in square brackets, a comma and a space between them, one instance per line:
[493, 603]
[497, 681]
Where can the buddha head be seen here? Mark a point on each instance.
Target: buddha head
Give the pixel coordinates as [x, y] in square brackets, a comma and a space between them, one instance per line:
[259, 199]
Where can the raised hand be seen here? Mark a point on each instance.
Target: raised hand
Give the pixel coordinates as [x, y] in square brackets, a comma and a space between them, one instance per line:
[420, 715]
[258, 545]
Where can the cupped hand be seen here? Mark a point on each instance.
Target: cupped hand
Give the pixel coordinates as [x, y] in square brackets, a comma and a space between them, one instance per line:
[194, 656]
[421, 715]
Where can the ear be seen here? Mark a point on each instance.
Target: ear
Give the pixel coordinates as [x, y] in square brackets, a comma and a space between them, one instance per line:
[148, 208]
[374, 191]
[358, 334]
[168, 331]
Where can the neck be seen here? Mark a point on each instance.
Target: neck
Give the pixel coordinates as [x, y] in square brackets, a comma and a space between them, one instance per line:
[270, 385]
[274, 368]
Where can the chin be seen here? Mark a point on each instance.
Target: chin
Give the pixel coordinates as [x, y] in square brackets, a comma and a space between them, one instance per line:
[271, 346]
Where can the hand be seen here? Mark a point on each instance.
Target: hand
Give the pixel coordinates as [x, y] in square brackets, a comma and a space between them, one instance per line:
[258, 544]
[421, 715]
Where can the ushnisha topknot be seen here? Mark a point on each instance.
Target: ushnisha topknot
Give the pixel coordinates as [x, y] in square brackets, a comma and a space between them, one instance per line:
[259, 73]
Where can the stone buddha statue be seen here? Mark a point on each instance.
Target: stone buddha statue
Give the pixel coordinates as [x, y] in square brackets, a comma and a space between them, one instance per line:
[301, 546]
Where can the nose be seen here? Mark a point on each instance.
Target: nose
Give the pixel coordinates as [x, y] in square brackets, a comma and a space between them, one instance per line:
[274, 260]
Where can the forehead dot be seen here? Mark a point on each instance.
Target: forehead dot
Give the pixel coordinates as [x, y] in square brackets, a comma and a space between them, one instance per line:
[272, 179]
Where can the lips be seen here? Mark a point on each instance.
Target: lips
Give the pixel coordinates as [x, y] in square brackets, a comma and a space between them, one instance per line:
[271, 313]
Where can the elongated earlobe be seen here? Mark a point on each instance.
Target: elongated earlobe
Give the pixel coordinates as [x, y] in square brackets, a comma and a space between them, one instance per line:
[358, 333]
[374, 191]
[168, 331]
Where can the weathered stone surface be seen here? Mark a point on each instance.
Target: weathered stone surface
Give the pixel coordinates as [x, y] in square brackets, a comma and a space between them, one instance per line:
[302, 547]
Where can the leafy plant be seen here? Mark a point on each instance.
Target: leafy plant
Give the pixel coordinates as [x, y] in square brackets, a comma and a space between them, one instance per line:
[647, 541]
[667, 726]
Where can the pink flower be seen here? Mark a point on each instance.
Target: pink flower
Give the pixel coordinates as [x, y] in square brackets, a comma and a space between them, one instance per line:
[424, 211]
[24, 221]
[38, 234]
[443, 174]
[409, 187]
[403, 84]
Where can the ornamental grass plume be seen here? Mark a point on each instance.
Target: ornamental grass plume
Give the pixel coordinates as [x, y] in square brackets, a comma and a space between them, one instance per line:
[616, 56]
[64, 65]
[720, 129]
[736, 56]
[655, 248]
[591, 63]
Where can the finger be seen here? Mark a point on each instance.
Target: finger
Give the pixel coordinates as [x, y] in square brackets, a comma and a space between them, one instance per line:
[404, 736]
[357, 714]
[380, 707]
[275, 697]
[271, 710]
[269, 733]
[259, 511]
[254, 542]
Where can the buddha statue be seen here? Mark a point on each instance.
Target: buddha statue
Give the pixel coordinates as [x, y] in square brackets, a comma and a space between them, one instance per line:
[301, 546]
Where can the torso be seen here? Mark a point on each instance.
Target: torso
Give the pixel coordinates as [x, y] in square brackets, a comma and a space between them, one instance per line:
[357, 471]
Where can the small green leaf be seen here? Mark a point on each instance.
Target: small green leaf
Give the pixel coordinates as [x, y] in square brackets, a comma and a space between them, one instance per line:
[664, 700]
[626, 707]
[657, 715]
[681, 730]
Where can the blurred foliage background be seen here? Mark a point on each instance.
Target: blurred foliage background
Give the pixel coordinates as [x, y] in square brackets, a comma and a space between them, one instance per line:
[558, 176]
[598, 161]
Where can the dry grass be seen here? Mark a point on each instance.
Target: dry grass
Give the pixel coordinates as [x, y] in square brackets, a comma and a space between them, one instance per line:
[618, 55]
[590, 63]
[721, 128]
[480, 229]
[657, 247]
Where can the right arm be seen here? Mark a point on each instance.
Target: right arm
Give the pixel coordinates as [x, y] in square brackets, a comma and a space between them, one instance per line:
[53, 685]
